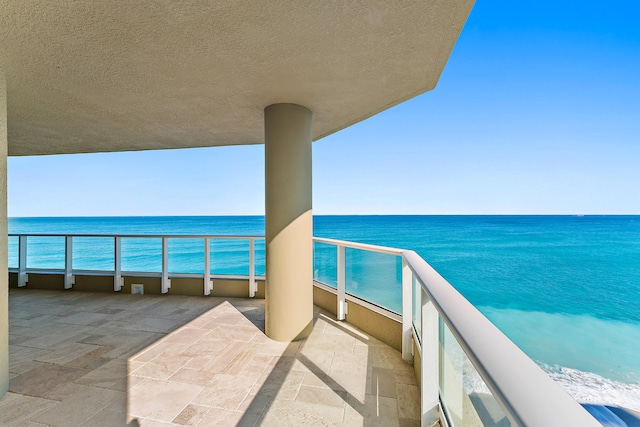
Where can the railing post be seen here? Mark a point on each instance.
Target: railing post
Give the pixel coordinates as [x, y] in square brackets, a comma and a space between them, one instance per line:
[208, 287]
[342, 279]
[252, 264]
[407, 311]
[68, 263]
[117, 264]
[165, 282]
[429, 362]
[23, 277]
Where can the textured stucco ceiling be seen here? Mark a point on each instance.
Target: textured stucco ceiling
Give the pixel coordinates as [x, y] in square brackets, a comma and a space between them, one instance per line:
[119, 75]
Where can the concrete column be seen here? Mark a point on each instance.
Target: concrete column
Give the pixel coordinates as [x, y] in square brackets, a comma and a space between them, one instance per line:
[288, 221]
[4, 275]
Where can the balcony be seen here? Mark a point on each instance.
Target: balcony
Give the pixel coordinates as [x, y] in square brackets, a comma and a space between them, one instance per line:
[220, 74]
[430, 358]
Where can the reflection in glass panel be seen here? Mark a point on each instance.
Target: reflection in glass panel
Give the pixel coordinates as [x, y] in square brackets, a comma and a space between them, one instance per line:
[230, 256]
[375, 277]
[260, 259]
[93, 253]
[13, 248]
[416, 289]
[325, 264]
[186, 255]
[141, 254]
[46, 252]
[465, 396]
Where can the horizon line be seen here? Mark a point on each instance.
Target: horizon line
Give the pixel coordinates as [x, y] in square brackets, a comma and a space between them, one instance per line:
[386, 214]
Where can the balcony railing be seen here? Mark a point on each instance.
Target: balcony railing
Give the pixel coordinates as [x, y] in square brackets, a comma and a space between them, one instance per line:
[470, 373]
[138, 255]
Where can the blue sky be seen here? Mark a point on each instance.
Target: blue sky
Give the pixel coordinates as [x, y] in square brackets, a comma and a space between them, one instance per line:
[537, 112]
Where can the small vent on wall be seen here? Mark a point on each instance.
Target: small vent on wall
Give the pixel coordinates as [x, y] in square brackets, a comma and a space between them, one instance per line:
[137, 289]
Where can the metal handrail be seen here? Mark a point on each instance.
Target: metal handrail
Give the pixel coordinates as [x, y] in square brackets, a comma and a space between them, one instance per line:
[134, 236]
[528, 396]
[361, 246]
[526, 393]
[165, 276]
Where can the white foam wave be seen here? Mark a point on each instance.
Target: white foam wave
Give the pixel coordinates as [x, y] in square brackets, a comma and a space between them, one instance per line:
[587, 387]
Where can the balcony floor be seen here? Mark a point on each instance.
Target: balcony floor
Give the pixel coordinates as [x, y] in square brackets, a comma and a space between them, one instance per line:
[110, 359]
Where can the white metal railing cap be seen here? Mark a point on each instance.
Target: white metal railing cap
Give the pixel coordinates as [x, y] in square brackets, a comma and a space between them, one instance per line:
[362, 246]
[526, 393]
[145, 236]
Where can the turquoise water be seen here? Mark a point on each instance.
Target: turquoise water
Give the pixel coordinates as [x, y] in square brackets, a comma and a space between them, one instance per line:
[566, 289]
[185, 255]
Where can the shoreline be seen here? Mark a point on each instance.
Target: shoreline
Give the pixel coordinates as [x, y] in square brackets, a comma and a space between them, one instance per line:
[588, 388]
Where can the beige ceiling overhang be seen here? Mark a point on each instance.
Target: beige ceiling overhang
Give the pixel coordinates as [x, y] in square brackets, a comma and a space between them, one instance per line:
[121, 75]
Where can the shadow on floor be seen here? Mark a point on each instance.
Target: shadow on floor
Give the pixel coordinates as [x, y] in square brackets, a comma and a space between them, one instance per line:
[105, 359]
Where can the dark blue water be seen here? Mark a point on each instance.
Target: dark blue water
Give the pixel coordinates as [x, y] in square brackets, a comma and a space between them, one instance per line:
[566, 289]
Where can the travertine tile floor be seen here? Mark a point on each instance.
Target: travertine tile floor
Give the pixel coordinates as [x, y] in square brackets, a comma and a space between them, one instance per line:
[108, 359]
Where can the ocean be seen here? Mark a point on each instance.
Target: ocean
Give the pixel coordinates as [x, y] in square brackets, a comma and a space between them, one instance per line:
[565, 289]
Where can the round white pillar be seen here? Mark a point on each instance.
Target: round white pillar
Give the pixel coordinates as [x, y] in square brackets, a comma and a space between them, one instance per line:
[288, 222]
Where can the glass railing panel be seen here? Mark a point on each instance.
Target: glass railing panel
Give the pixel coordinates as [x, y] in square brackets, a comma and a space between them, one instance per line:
[93, 253]
[325, 264]
[416, 306]
[375, 277]
[46, 252]
[260, 257]
[230, 256]
[466, 398]
[185, 255]
[13, 246]
[141, 254]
